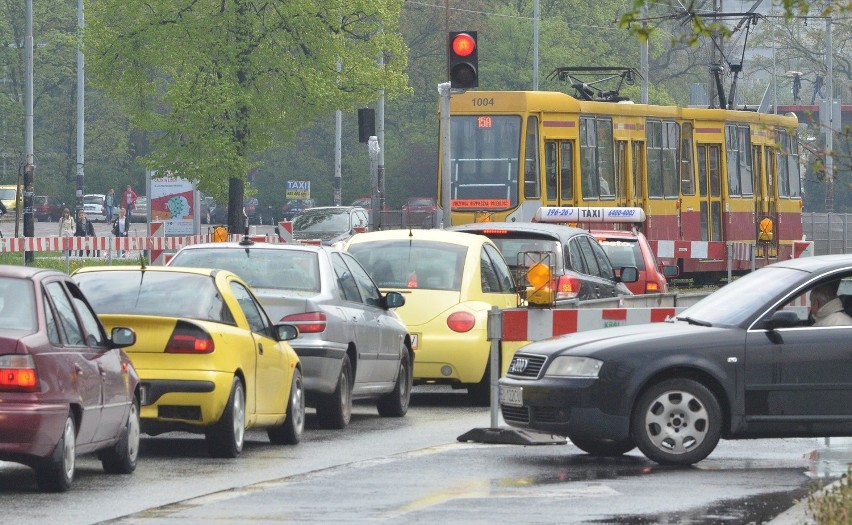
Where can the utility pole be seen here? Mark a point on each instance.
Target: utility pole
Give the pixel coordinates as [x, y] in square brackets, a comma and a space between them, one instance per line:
[446, 167]
[535, 46]
[829, 130]
[81, 95]
[643, 55]
[29, 166]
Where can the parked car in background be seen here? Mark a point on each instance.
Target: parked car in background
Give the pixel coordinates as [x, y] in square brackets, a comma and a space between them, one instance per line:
[209, 359]
[581, 269]
[450, 281]
[140, 212]
[11, 197]
[351, 344]
[364, 202]
[252, 209]
[93, 205]
[330, 224]
[631, 248]
[744, 362]
[420, 212]
[294, 206]
[66, 388]
[205, 208]
[47, 208]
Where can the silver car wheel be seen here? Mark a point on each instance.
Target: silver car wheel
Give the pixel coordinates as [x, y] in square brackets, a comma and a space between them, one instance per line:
[677, 422]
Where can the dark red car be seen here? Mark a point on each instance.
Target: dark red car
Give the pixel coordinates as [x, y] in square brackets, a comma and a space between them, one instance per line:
[631, 248]
[66, 388]
[47, 208]
[420, 211]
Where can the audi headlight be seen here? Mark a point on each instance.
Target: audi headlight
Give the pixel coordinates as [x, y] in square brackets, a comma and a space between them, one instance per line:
[571, 366]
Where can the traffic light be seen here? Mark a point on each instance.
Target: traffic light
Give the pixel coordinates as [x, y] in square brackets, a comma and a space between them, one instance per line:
[463, 60]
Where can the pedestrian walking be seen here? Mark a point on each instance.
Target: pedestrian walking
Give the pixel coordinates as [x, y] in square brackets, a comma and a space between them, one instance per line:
[66, 226]
[110, 204]
[121, 227]
[84, 228]
[128, 201]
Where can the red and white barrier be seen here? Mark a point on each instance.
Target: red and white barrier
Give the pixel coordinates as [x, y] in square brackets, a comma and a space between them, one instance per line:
[285, 231]
[523, 324]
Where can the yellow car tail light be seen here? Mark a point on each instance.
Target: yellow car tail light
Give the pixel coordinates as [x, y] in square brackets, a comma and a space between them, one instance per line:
[189, 339]
[461, 321]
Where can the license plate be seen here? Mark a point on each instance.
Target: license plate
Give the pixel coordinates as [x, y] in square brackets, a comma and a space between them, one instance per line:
[512, 396]
[415, 341]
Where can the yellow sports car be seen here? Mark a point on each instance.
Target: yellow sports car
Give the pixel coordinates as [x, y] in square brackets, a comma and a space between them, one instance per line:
[450, 281]
[209, 359]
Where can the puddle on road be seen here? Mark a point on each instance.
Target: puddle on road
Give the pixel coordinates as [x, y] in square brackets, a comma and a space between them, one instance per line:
[757, 509]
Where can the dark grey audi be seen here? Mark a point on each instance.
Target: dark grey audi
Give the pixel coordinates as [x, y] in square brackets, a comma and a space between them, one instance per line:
[744, 362]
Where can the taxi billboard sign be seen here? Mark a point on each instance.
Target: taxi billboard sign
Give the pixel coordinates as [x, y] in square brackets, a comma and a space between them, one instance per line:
[298, 189]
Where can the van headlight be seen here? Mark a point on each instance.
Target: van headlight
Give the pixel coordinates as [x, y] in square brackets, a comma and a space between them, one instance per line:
[571, 366]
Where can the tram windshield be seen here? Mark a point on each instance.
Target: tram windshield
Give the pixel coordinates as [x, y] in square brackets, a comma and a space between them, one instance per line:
[485, 151]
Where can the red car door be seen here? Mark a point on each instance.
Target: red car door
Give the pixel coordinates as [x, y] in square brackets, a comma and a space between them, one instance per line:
[86, 381]
[115, 396]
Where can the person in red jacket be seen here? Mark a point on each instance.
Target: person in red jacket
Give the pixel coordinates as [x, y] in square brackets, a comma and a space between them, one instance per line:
[128, 200]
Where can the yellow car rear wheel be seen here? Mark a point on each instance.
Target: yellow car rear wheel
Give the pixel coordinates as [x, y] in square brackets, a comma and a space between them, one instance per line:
[226, 438]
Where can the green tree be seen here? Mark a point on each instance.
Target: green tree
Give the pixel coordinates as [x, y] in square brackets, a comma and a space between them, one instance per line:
[216, 83]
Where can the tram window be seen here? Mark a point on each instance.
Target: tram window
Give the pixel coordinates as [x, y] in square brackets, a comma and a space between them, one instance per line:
[567, 170]
[715, 178]
[605, 150]
[485, 163]
[531, 189]
[745, 160]
[550, 170]
[739, 159]
[793, 169]
[687, 174]
[587, 158]
[731, 144]
[671, 144]
[663, 173]
[638, 169]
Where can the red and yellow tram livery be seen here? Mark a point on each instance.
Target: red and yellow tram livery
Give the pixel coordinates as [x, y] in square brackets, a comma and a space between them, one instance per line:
[716, 186]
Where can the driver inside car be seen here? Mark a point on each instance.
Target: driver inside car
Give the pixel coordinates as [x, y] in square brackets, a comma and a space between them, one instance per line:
[826, 308]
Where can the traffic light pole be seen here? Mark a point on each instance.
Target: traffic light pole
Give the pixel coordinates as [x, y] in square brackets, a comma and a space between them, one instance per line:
[446, 166]
[29, 167]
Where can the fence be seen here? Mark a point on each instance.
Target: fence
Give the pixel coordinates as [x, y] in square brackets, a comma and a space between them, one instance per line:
[830, 232]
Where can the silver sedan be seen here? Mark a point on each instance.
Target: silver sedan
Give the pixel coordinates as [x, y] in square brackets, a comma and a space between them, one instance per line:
[351, 343]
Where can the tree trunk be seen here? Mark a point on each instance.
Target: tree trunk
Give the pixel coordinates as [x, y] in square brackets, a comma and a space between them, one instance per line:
[237, 221]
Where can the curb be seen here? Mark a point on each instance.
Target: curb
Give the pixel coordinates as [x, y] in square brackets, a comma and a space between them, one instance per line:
[800, 513]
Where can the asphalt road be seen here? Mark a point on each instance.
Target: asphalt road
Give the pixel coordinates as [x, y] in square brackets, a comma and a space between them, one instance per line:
[414, 469]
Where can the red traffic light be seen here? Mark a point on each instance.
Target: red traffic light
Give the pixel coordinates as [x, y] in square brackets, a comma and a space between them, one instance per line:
[463, 60]
[463, 45]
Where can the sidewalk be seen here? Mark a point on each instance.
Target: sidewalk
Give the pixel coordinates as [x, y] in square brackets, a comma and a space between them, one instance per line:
[830, 461]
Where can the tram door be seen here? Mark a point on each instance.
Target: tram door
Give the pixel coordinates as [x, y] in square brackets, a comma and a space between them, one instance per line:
[622, 172]
[710, 191]
[638, 197]
[559, 172]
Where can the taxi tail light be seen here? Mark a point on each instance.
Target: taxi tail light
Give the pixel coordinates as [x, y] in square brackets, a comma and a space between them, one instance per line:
[18, 373]
[308, 323]
[461, 321]
[189, 339]
[567, 287]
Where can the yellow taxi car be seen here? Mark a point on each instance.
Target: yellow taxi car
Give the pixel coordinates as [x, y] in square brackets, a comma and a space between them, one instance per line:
[209, 359]
[450, 280]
